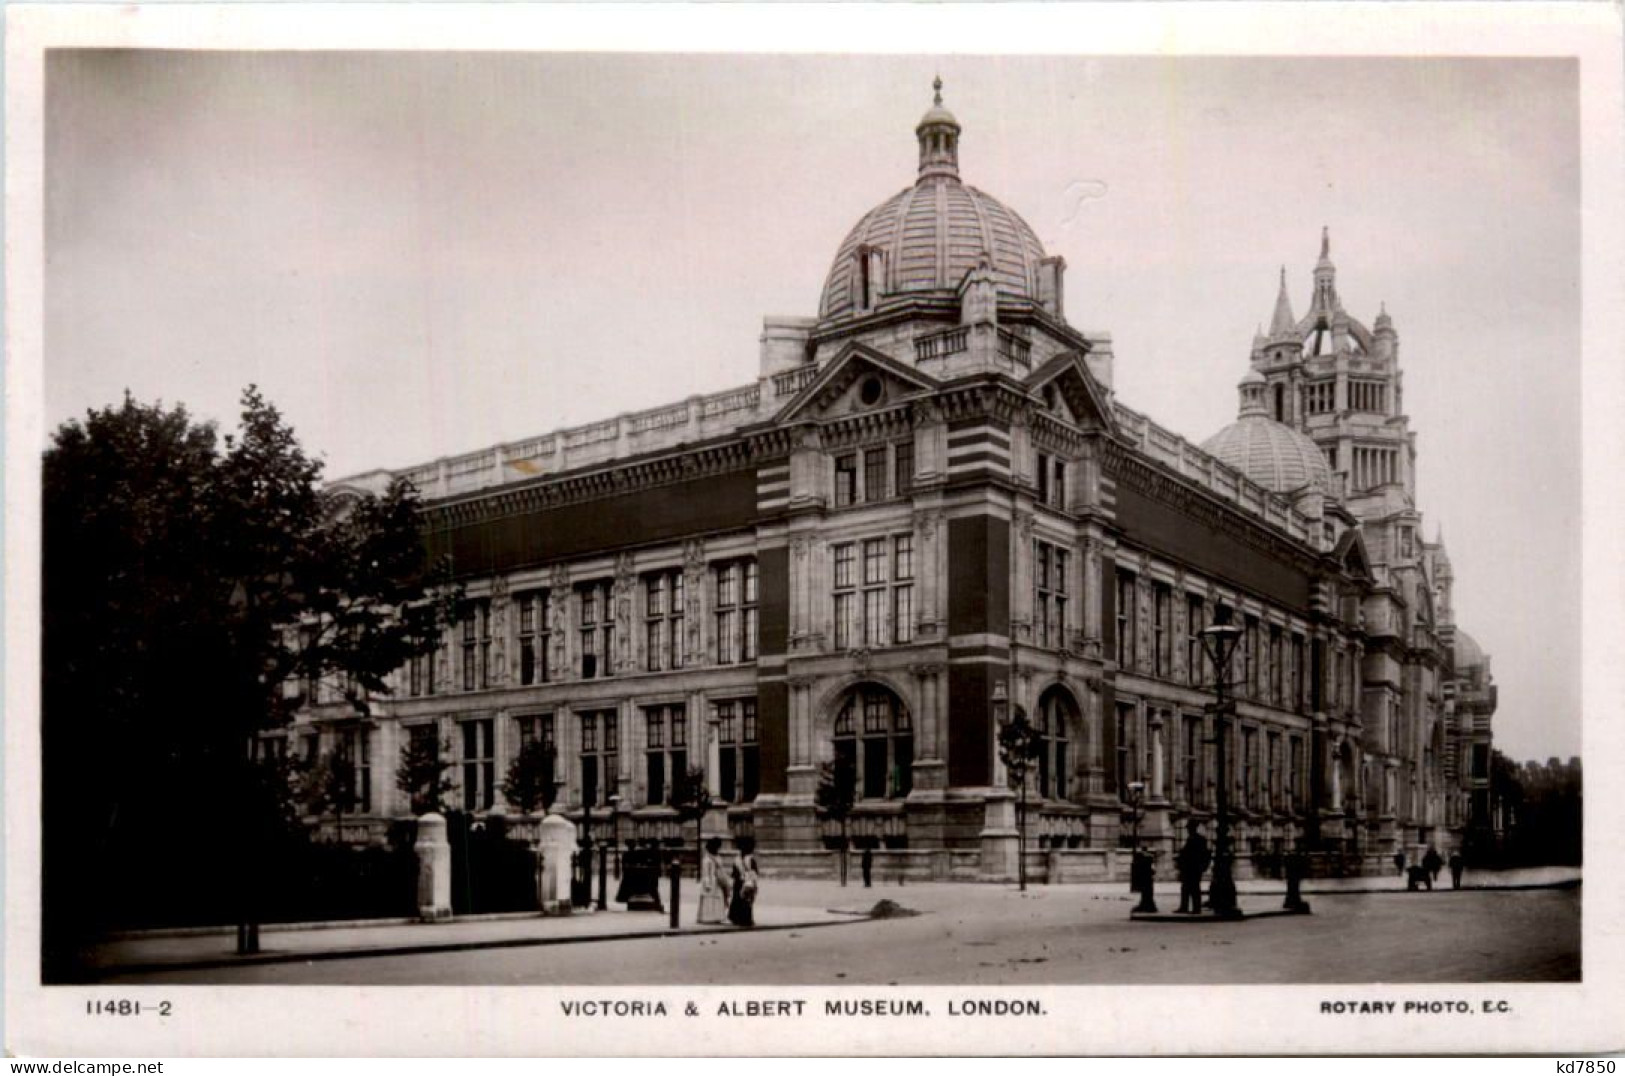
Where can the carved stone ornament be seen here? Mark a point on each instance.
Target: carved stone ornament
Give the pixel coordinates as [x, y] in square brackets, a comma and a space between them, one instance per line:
[800, 546]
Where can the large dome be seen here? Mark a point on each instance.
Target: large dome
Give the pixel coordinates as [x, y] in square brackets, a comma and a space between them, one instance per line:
[1274, 455]
[1468, 653]
[930, 235]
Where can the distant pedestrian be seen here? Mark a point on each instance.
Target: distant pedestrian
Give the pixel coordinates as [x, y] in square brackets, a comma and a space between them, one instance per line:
[713, 884]
[1431, 863]
[1399, 862]
[1192, 862]
[1457, 864]
[868, 865]
[747, 879]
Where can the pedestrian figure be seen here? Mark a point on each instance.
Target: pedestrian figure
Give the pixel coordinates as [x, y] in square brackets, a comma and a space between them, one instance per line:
[1456, 865]
[1399, 862]
[713, 884]
[1431, 863]
[1417, 877]
[868, 865]
[747, 878]
[1192, 863]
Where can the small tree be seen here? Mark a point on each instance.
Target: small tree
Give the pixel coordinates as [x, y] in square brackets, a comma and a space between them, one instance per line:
[1019, 746]
[530, 779]
[836, 796]
[421, 776]
[328, 785]
[691, 796]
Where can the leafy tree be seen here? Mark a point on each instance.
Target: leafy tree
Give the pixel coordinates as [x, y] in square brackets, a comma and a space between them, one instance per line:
[691, 796]
[1019, 746]
[328, 787]
[530, 781]
[175, 562]
[422, 776]
[835, 797]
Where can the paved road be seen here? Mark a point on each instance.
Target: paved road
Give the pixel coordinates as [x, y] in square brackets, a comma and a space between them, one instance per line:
[1059, 935]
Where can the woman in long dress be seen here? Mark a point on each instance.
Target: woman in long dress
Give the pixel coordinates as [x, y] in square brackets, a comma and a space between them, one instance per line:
[747, 877]
[713, 884]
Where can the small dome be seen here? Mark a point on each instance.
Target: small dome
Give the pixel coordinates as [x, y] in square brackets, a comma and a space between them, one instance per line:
[1252, 377]
[1467, 652]
[1275, 456]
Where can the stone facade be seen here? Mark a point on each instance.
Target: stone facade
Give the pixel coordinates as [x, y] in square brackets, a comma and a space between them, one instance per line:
[929, 510]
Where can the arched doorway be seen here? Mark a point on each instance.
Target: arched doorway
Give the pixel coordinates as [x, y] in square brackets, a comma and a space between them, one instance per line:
[874, 734]
[1060, 734]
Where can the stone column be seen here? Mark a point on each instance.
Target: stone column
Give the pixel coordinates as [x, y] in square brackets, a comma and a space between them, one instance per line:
[434, 868]
[713, 753]
[1155, 718]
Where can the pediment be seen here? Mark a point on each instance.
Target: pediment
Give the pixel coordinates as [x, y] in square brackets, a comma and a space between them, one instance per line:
[858, 379]
[1070, 392]
[1350, 553]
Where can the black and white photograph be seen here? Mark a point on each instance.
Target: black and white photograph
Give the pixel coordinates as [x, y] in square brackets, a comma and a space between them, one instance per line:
[757, 543]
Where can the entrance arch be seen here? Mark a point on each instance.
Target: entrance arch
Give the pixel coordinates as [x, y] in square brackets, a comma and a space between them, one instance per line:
[874, 734]
[1061, 735]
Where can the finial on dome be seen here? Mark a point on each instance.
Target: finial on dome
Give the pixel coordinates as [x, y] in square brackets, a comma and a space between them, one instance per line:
[938, 133]
[1325, 243]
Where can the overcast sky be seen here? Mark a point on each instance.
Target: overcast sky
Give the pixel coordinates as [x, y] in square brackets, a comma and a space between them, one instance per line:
[416, 255]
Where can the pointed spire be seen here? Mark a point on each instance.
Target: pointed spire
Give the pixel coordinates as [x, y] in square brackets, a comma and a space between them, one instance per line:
[1283, 323]
[1325, 245]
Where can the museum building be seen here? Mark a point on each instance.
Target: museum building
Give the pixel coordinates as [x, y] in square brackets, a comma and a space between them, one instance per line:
[930, 514]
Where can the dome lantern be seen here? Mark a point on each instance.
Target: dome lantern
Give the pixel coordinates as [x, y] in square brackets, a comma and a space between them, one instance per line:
[938, 132]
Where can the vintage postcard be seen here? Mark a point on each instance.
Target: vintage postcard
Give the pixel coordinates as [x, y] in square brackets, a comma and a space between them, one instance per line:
[798, 530]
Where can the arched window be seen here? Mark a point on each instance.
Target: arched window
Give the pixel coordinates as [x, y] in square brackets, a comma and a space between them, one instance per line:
[874, 735]
[1055, 720]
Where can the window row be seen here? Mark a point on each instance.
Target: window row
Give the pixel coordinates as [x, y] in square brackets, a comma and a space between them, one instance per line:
[872, 584]
[667, 758]
[1267, 768]
[874, 474]
[1269, 665]
[665, 608]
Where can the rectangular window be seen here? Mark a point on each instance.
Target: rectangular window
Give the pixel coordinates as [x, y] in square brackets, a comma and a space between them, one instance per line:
[1275, 664]
[1125, 619]
[1125, 720]
[416, 667]
[1049, 595]
[1249, 773]
[479, 765]
[1161, 633]
[534, 636]
[846, 480]
[1192, 759]
[1296, 689]
[874, 592]
[599, 764]
[1195, 657]
[597, 630]
[736, 619]
[874, 474]
[1294, 775]
[1042, 474]
[739, 775]
[355, 754]
[476, 627]
[666, 752]
[1249, 657]
[903, 467]
[874, 603]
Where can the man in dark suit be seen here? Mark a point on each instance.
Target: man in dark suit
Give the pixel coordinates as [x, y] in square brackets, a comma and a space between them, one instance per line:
[1193, 861]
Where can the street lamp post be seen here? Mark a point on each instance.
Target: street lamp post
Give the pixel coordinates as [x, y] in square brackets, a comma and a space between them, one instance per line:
[1219, 643]
[1141, 874]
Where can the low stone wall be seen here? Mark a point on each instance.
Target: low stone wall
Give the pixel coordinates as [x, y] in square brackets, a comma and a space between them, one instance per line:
[889, 865]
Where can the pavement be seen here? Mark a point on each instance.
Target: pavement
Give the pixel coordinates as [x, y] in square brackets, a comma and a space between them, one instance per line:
[786, 904]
